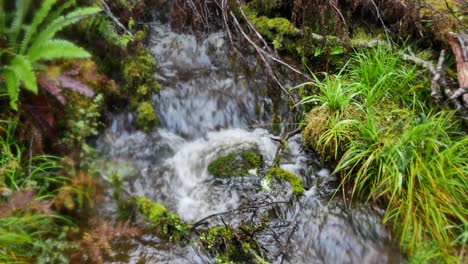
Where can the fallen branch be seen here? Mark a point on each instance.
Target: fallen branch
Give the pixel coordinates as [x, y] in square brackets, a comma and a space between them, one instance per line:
[435, 83]
[202, 221]
[263, 55]
[425, 64]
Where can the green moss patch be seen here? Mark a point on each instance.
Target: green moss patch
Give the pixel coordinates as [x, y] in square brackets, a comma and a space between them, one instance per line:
[235, 164]
[284, 175]
[167, 223]
[146, 117]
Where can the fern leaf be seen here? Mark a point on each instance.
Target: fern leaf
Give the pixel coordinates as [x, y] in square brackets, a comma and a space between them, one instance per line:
[12, 86]
[22, 7]
[59, 49]
[59, 10]
[57, 25]
[2, 18]
[39, 17]
[24, 71]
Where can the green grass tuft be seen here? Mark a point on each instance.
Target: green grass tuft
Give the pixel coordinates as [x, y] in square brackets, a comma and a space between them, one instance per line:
[390, 145]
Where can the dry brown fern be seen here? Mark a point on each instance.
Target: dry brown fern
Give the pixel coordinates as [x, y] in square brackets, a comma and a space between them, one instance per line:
[96, 243]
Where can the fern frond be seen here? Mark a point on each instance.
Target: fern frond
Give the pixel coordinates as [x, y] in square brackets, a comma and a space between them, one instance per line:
[25, 73]
[106, 29]
[59, 49]
[12, 87]
[22, 7]
[39, 17]
[2, 18]
[58, 24]
[59, 10]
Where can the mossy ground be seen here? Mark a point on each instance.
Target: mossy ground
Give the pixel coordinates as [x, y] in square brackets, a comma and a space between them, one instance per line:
[235, 164]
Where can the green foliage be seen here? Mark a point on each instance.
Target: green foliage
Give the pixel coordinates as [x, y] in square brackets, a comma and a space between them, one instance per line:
[100, 25]
[83, 121]
[380, 74]
[167, 223]
[28, 44]
[235, 164]
[23, 239]
[284, 175]
[19, 172]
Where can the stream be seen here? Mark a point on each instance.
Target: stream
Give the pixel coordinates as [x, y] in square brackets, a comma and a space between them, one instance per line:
[210, 105]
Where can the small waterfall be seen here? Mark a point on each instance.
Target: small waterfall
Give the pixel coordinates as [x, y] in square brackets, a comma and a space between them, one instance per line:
[210, 106]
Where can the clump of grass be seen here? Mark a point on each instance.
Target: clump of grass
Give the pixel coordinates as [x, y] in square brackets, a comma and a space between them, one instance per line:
[334, 94]
[391, 146]
[379, 74]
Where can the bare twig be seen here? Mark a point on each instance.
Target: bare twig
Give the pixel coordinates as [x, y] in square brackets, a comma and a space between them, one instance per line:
[202, 221]
[264, 55]
[116, 21]
[425, 64]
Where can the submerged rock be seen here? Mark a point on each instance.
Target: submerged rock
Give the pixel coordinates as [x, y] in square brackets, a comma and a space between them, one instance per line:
[235, 164]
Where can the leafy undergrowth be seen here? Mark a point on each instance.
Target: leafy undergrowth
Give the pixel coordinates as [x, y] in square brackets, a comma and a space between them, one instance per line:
[392, 145]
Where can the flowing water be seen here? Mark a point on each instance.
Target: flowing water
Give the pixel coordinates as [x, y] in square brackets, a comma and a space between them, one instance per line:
[209, 106]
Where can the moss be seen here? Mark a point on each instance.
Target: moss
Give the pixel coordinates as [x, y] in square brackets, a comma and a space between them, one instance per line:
[215, 236]
[316, 122]
[284, 175]
[235, 164]
[279, 30]
[146, 117]
[138, 69]
[140, 35]
[230, 245]
[167, 223]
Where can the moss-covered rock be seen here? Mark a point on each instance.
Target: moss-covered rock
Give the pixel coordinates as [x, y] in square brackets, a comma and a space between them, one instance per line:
[138, 69]
[146, 117]
[284, 175]
[283, 35]
[167, 223]
[235, 164]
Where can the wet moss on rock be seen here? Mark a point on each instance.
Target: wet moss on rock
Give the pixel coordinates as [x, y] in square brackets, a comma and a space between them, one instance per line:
[167, 223]
[283, 35]
[284, 175]
[138, 69]
[146, 117]
[235, 164]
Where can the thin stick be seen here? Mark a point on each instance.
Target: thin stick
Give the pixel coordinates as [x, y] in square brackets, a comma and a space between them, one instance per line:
[116, 21]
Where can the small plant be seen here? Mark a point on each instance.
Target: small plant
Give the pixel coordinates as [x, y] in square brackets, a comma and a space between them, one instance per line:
[28, 44]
